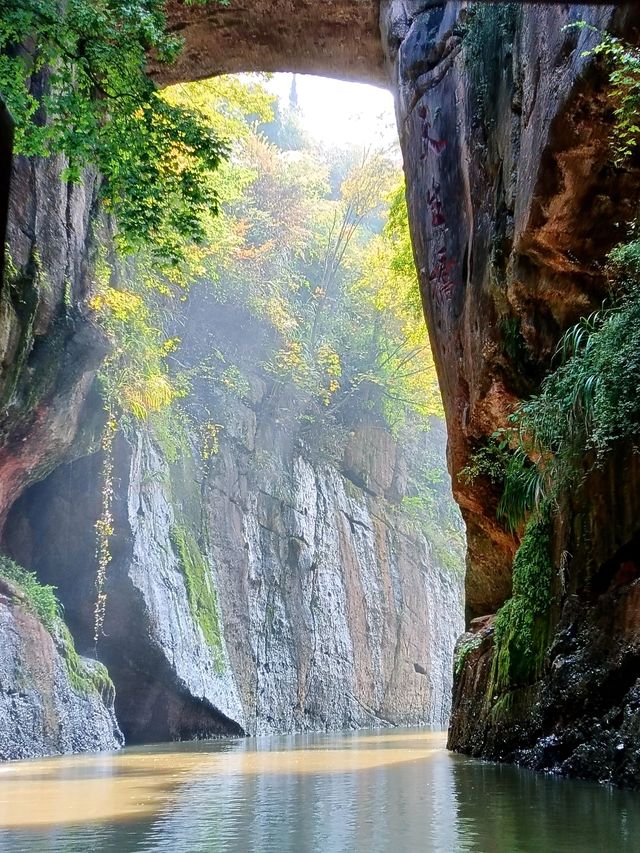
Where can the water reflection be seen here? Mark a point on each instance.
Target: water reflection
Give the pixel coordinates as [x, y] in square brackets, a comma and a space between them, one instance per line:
[507, 810]
[398, 791]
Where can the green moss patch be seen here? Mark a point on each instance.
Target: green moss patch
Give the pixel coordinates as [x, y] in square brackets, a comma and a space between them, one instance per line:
[522, 623]
[203, 599]
[465, 648]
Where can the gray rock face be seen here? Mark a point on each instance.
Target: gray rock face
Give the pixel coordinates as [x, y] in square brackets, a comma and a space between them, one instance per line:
[332, 614]
[41, 711]
[272, 586]
[336, 613]
[172, 672]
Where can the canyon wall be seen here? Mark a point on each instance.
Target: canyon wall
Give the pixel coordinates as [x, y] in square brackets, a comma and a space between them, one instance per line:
[274, 585]
[514, 202]
[51, 700]
[326, 595]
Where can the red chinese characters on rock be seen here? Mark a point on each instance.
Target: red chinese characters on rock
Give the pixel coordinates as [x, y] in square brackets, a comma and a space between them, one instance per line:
[440, 276]
[429, 142]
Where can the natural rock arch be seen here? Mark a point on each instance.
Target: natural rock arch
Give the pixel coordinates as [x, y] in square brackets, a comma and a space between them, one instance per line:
[349, 39]
[414, 47]
[339, 38]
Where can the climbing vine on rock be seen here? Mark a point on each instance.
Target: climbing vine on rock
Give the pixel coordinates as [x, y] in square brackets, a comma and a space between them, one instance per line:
[104, 525]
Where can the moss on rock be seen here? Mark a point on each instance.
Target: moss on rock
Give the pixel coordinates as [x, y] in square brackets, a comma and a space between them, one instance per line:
[40, 600]
[203, 599]
[522, 623]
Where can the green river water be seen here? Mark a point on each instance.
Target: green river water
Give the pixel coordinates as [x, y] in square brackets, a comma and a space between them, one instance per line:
[395, 791]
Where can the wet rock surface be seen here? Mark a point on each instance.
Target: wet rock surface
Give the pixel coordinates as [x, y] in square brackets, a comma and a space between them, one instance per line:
[582, 719]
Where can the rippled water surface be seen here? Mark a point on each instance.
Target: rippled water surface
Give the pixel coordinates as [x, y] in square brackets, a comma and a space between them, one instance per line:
[395, 792]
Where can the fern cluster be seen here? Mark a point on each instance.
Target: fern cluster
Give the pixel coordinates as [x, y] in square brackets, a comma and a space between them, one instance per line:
[586, 405]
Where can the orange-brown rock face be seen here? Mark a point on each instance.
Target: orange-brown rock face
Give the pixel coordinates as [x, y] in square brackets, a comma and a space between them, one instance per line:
[514, 204]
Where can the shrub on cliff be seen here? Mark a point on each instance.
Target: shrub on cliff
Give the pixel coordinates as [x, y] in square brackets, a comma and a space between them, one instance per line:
[585, 406]
[39, 598]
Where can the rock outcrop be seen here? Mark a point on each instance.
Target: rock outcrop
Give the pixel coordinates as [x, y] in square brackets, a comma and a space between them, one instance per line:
[51, 701]
[514, 204]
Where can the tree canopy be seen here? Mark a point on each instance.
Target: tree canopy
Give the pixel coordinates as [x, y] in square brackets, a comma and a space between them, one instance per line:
[74, 77]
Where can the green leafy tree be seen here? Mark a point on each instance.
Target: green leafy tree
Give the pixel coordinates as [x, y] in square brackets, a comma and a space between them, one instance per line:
[74, 77]
[136, 300]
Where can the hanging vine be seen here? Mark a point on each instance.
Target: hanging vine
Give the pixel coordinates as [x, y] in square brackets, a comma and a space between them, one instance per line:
[104, 525]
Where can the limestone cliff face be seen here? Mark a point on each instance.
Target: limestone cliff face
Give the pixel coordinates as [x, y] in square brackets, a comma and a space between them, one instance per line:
[48, 354]
[349, 611]
[329, 614]
[269, 586]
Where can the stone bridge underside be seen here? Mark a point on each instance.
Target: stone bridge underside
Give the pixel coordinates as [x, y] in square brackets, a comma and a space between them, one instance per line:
[336, 38]
[339, 38]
